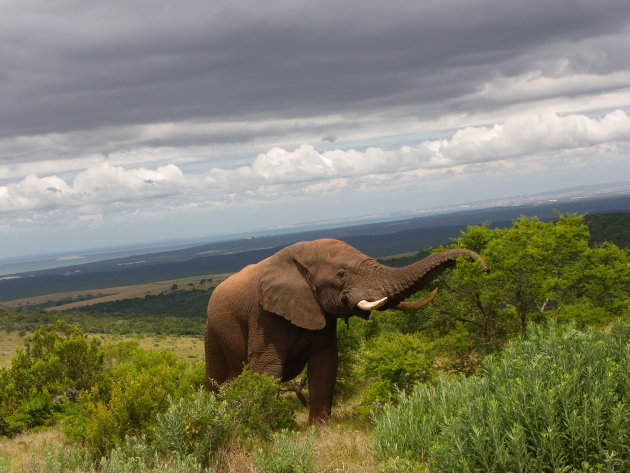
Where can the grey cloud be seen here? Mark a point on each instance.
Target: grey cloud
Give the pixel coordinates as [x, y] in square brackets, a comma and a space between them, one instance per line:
[86, 65]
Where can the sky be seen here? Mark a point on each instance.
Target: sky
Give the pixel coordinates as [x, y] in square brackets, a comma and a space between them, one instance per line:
[134, 121]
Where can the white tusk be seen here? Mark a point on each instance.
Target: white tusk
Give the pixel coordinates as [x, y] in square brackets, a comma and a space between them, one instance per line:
[368, 306]
[421, 304]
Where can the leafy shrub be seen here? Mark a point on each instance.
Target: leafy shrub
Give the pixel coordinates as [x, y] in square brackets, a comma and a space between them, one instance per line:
[408, 430]
[291, 452]
[557, 401]
[139, 456]
[256, 405]
[538, 270]
[392, 363]
[136, 388]
[56, 363]
[133, 456]
[194, 426]
[54, 359]
[34, 412]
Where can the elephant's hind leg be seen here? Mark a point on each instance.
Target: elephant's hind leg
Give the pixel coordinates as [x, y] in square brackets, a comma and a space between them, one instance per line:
[217, 371]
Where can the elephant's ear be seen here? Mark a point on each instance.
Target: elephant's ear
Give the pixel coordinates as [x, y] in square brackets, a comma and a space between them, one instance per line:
[286, 290]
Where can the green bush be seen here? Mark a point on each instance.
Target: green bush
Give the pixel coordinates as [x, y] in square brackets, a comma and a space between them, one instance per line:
[256, 405]
[557, 401]
[134, 390]
[56, 364]
[139, 456]
[291, 452]
[391, 363]
[54, 359]
[194, 426]
[133, 456]
[34, 412]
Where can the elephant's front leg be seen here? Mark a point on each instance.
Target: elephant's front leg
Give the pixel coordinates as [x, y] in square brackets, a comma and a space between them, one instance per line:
[268, 344]
[269, 360]
[322, 375]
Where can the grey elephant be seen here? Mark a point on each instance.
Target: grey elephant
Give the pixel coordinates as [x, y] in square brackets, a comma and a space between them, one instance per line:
[280, 314]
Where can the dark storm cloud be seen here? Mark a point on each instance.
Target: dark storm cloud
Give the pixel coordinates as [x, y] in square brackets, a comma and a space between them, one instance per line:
[72, 65]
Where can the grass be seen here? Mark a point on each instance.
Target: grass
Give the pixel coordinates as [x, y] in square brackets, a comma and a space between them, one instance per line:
[343, 448]
[186, 347]
[26, 450]
[181, 346]
[339, 448]
[9, 343]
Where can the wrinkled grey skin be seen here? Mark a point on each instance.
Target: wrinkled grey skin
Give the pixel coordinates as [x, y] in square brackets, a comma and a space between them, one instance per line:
[280, 314]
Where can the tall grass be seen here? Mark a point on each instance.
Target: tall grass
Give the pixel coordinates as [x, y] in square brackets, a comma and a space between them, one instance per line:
[556, 401]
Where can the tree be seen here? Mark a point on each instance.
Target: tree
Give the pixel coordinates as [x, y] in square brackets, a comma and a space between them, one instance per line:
[537, 270]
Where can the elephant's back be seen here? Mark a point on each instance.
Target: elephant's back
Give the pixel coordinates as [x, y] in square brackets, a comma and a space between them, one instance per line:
[237, 294]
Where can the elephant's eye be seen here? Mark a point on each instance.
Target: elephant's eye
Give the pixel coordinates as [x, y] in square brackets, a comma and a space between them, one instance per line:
[341, 273]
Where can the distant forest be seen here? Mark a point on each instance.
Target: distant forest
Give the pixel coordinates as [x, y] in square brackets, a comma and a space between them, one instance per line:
[181, 303]
[613, 227]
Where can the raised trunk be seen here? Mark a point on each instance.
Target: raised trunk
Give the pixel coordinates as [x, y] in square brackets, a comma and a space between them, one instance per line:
[400, 283]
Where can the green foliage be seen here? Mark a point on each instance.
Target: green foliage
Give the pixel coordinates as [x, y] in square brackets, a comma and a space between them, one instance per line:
[256, 404]
[557, 401]
[134, 456]
[139, 456]
[391, 363]
[537, 271]
[195, 426]
[291, 452]
[56, 363]
[135, 389]
[65, 459]
[54, 359]
[612, 227]
[102, 322]
[32, 413]
[188, 303]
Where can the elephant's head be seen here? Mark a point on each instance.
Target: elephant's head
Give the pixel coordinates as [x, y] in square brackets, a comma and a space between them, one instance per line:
[308, 281]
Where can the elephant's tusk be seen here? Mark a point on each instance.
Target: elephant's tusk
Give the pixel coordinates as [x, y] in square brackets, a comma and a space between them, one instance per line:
[368, 306]
[421, 304]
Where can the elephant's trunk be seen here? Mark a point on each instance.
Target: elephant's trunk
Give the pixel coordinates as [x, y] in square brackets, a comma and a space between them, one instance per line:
[399, 283]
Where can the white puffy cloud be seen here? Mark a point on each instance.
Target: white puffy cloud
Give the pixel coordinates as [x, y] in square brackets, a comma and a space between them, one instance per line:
[305, 170]
[101, 184]
[107, 182]
[531, 134]
[34, 193]
[519, 136]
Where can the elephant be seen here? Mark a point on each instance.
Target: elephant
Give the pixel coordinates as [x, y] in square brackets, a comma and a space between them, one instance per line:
[280, 315]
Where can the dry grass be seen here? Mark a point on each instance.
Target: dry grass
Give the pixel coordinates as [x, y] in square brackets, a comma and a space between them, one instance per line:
[338, 449]
[236, 458]
[344, 448]
[9, 343]
[29, 449]
[185, 347]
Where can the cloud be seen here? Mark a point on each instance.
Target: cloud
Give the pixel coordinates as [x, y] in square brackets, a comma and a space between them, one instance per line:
[64, 71]
[517, 137]
[108, 182]
[531, 134]
[98, 185]
[305, 170]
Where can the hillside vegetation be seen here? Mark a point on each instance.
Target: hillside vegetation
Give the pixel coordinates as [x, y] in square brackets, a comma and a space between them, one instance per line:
[523, 368]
